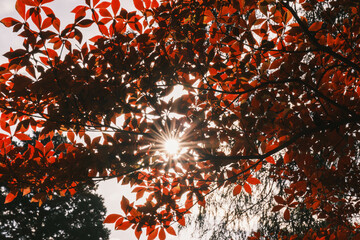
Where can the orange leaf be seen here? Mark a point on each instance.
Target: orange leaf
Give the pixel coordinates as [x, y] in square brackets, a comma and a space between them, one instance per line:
[237, 190]
[10, 197]
[112, 218]
[26, 191]
[162, 235]
[170, 230]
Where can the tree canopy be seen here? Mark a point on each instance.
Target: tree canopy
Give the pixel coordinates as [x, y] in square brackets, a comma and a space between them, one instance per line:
[267, 84]
[62, 217]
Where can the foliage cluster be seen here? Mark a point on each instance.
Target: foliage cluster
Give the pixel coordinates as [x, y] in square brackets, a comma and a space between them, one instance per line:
[266, 85]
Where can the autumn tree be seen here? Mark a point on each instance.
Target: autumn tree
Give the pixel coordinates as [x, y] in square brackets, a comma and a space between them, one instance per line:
[265, 86]
[63, 217]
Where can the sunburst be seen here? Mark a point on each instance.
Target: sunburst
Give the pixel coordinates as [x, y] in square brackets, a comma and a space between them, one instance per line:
[170, 139]
[172, 146]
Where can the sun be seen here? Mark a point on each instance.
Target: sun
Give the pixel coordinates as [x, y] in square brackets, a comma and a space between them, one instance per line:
[172, 146]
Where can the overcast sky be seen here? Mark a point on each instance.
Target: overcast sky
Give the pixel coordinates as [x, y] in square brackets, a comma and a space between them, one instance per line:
[110, 190]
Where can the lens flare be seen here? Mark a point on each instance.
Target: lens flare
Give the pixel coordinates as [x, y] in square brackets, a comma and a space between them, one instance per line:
[172, 146]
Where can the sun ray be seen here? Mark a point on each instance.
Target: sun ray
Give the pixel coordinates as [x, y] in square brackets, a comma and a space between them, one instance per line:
[172, 146]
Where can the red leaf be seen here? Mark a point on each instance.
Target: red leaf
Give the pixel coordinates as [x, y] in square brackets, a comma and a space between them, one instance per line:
[181, 221]
[104, 30]
[279, 200]
[138, 233]
[115, 6]
[29, 2]
[276, 63]
[119, 222]
[22, 137]
[104, 12]
[123, 225]
[125, 204]
[139, 5]
[95, 2]
[49, 146]
[287, 215]
[94, 39]
[39, 146]
[48, 11]
[46, 23]
[154, 4]
[36, 18]
[277, 208]
[162, 235]
[9, 21]
[237, 190]
[253, 181]
[247, 188]
[103, 5]
[71, 136]
[170, 230]
[287, 158]
[46, 1]
[10, 197]
[147, 3]
[85, 23]
[270, 160]
[20, 8]
[316, 26]
[120, 26]
[77, 9]
[112, 218]
[56, 24]
[153, 234]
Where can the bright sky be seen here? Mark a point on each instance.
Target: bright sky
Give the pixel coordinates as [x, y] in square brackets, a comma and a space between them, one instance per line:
[110, 190]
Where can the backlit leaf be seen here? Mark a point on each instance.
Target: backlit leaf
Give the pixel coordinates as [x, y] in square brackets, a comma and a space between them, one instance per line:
[9, 21]
[237, 190]
[162, 235]
[10, 197]
[316, 26]
[170, 230]
[253, 181]
[247, 188]
[139, 5]
[112, 218]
